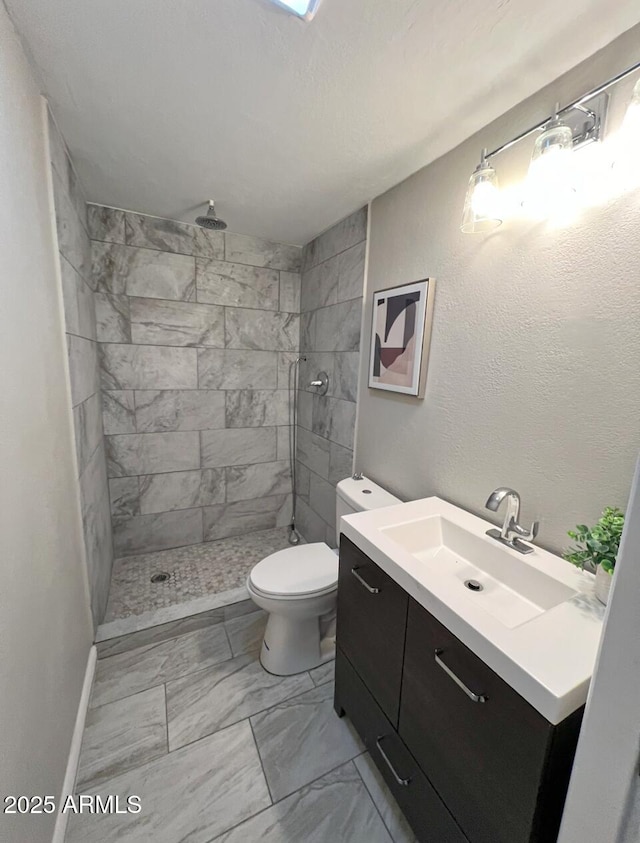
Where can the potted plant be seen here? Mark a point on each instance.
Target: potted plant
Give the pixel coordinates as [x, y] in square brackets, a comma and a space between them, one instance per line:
[597, 547]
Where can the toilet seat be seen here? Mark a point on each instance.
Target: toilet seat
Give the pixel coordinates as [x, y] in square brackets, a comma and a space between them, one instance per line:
[308, 570]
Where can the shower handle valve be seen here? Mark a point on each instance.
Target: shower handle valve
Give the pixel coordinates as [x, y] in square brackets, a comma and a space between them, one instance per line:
[321, 383]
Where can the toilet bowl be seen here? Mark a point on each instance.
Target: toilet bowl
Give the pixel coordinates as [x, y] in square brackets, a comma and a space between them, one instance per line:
[298, 588]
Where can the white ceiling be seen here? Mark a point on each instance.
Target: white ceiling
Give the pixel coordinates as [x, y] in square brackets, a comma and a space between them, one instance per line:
[289, 125]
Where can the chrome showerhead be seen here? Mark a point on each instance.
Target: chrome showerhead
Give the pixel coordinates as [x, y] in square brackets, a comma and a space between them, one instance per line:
[210, 220]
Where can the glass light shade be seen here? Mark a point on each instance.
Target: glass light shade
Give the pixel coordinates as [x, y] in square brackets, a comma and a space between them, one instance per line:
[550, 188]
[627, 156]
[482, 204]
[631, 122]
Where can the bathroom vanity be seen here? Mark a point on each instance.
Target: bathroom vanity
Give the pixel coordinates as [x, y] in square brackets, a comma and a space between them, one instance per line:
[467, 700]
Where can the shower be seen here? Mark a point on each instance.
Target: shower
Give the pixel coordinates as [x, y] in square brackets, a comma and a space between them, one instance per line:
[210, 220]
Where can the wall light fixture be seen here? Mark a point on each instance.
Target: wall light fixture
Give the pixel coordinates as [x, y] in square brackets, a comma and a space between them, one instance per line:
[550, 185]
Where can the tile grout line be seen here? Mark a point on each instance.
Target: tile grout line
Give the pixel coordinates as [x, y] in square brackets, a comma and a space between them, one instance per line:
[268, 708]
[299, 790]
[202, 257]
[373, 802]
[166, 716]
[264, 772]
[341, 252]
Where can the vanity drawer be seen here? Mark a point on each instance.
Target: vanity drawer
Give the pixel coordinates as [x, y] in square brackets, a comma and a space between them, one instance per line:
[371, 625]
[429, 818]
[485, 749]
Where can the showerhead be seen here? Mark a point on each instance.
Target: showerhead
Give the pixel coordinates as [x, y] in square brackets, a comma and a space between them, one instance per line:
[210, 220]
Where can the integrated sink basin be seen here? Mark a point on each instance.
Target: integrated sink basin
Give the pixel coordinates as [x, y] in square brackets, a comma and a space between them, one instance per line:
[534, 619]
[507, 587]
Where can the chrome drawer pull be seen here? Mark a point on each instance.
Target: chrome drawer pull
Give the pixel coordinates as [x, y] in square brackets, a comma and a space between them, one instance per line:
[369, 588]
[479, 698]
[385, 758]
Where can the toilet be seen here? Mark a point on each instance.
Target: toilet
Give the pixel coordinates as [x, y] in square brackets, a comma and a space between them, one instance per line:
[298, 587]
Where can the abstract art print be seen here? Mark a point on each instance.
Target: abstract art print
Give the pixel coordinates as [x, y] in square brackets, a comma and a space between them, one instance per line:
[400, 337]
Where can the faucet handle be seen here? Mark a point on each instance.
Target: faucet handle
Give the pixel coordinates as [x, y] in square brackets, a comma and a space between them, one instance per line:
[528, 536]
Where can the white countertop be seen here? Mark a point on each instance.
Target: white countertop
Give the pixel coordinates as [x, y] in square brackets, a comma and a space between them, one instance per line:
[548, 660]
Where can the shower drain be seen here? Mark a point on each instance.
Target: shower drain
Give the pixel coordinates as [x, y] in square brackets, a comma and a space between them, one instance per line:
[161, 577]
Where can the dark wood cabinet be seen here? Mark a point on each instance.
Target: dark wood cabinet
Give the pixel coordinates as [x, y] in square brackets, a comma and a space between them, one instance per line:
[372, 616]
[485, 749]
[467, 758]
[422, 806]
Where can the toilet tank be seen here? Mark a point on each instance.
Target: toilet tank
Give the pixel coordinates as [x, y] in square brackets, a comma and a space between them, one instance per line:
[360, 495]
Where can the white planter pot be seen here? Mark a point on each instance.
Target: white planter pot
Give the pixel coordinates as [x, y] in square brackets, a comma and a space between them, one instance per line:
[603, 584]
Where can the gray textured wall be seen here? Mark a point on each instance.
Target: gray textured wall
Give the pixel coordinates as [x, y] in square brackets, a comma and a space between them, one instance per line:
[196, 331]
[80, 326]
[534, 377]
[332, 282]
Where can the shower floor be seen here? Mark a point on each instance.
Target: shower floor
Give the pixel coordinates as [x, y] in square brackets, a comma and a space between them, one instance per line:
[195, 572]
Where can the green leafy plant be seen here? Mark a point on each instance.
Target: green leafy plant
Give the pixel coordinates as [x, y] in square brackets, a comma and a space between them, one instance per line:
[597, 545]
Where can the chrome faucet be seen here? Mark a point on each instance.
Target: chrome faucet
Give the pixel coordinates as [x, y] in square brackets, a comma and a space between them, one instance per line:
[512, 533]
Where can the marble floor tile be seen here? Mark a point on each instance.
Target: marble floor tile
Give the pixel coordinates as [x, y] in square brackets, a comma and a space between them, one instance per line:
[325, 673]
[258, 252]
[195, 572]
[290, 292]
[257, 407]
[124, 495]
[162, 632]
[351, 272]
[152, 453]
[148, 367]
[209, 700]
[128, 673]
[158, 322]
[83, 368]
[383, 799]
[238, 447]
[179, 409]
[246, 632]
[181, 490]
[236, 285]
[248, 482]
[112, 318]
[242, 517]
[120, 735]
[301, 739]
[173, 236]
[105, 223]
[230, 368]
[333, 809]
[344, 234]
[157, 531]
[242, 607]
[188, 796]
[118, 411]
[261, 329]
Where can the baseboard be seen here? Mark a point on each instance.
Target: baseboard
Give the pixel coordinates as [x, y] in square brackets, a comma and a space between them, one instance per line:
[74, 750]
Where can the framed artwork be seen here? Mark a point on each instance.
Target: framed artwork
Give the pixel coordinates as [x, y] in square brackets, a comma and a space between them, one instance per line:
[400, 337]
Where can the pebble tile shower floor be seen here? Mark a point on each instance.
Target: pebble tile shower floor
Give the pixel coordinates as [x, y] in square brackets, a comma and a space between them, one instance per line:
[195, 571]
[219, 750]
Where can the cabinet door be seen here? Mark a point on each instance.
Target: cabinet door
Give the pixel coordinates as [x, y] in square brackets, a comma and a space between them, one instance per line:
[371, 625]
[485, 758]
[429, 818]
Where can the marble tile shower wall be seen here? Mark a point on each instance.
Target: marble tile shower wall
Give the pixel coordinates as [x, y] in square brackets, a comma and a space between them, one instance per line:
[196, 332]
[80, 327]
[331, 304]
